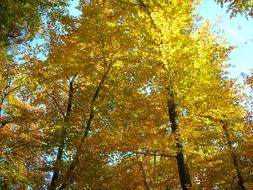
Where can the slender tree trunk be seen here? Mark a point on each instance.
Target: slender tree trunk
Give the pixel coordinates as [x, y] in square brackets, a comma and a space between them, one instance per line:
[68, 179]
[235, 162]
[145, 183]
[57, 167]
[58, 163]
[183, 170]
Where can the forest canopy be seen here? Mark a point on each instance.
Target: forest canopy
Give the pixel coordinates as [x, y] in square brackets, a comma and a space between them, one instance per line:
[133, 94]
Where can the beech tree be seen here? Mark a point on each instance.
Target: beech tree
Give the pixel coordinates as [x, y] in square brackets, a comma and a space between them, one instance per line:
[134, 96]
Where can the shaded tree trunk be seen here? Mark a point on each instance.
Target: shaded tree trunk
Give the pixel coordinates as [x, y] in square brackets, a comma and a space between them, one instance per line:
[58, 163]
[184, 174]
[87, 127]
[57, 167]
[235, 162]
[145, 183]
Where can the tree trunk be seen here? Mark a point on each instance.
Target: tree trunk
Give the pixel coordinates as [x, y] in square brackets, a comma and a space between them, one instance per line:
[57, 166]
[68, 180]
[145, 183]
[184, 175]
[235, 163]
[61, 146]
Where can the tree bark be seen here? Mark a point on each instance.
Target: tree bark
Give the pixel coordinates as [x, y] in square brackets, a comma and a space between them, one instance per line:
[235, 162]
[87, 127]
[184, 174]
[145, 183]
[57, 166]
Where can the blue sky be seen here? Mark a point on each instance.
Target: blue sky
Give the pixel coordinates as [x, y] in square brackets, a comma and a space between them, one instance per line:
[72, 8]
[238, 31]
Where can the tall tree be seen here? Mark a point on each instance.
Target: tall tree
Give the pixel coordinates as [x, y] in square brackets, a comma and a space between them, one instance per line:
[133, 96]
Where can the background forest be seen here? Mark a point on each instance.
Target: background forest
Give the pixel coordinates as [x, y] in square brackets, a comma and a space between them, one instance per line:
[131, 95]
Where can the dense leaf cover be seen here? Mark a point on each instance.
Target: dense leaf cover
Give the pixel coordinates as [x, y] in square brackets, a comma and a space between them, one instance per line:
[134, 96]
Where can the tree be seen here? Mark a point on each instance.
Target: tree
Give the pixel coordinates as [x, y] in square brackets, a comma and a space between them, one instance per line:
[19, 131]
[134, 96]
[21, 20]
